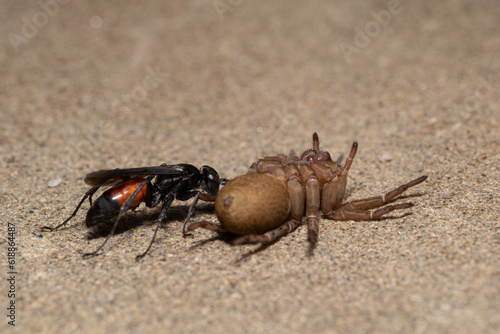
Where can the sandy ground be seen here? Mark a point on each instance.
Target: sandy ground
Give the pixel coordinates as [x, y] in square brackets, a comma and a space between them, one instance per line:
[89, 85]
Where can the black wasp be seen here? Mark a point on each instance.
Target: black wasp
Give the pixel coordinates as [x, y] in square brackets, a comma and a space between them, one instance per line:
[152, 185]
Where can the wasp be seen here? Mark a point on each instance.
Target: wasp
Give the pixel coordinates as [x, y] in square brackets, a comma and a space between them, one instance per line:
[130, 187]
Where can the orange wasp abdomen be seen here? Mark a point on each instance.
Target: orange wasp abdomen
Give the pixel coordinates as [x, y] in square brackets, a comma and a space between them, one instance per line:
[110, 202]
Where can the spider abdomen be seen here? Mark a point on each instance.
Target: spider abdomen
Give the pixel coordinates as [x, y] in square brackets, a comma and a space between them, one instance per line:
[253, 203]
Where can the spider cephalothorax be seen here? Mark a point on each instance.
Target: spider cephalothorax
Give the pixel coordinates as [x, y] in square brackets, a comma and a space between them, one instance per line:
[279, 191]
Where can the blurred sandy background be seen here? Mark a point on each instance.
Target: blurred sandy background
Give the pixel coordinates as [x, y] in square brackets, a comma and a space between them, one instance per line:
[87, 85]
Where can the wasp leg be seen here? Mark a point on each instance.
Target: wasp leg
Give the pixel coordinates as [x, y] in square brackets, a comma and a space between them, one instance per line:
[167, 202]
[190, 213]
[166, 205]
[88, 194]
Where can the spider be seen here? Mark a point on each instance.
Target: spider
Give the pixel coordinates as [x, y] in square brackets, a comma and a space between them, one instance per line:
[279, 191]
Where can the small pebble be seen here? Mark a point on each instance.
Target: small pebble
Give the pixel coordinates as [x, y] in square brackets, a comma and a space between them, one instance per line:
[385, 157]
[54, 183]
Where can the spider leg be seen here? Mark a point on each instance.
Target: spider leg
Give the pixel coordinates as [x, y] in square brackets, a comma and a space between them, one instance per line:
[342, 183]
[207, 226]
[297, 200]
[346, 214]
[315, 142]
[329, 194]
[359, 209]
[269, 236]
[88, 194]
[312, 208]
[373, 202]
[295, 192]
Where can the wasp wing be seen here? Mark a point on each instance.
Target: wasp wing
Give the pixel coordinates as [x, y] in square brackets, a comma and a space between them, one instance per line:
[108, 177]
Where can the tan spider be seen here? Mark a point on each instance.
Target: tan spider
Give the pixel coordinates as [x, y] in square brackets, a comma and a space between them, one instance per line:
[278, 192]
